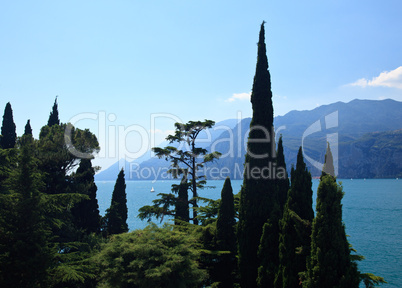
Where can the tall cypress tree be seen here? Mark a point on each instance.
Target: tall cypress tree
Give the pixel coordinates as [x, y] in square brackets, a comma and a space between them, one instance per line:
[258, 193]
[8, 134]
[283, 184]
[86, 213]
[226, 237]
[330, 263]
[116, 215]
[54, 115]
[294, 239]
[28, 129]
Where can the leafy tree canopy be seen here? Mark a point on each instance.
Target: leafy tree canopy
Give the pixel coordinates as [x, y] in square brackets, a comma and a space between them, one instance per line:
[152, 257]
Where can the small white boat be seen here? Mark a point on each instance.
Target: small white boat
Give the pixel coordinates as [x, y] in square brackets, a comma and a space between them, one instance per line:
[152, 190]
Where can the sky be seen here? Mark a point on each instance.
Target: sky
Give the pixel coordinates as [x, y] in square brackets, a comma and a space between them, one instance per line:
[128, 70]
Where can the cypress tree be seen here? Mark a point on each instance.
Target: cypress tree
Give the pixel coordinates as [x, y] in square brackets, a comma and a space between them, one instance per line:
[182, 207]
[330, 263]
[258, 194]
[328, 163]
[116, 215]
[8, 134]
[86, 213]
[283, 183]
[28, 129]
[54, 115]
[294, 239]
[268, 252]
[226, 237]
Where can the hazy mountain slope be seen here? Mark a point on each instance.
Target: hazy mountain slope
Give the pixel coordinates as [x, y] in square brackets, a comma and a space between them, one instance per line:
[374, 155]
[348, 122]
[147, 167]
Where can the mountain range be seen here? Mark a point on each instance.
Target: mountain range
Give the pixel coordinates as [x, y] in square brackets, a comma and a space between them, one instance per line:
[365, 137]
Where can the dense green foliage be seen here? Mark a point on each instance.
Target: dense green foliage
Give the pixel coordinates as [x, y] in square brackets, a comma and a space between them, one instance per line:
[268, 252]
[55, 159]
[86, 213]
[8, 134]
[182, 207]
[24, 235]
[258, 193]
[116, 214]
[295, 226]
[38, 194]
[152, 257]
[330, 263]
[226, 237]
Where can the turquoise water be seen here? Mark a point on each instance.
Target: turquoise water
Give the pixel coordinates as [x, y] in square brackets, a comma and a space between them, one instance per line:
[372, 212]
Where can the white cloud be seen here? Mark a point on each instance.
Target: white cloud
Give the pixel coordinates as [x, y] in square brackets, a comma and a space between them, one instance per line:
[239, 96]
[391, 79]
[361, 82]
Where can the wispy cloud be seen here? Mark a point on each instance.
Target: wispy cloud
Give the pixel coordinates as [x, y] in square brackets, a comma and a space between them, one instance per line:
[239, 96]
[391, 79]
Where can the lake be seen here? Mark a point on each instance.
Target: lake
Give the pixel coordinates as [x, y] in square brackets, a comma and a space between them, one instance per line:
[372, 212]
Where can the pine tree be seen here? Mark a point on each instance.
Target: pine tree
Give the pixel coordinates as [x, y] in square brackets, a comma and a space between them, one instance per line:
[258, 193]
[188, 161]
[28, 129]
[226, 237]
[116, 215]
[86, 213]
[295, 225]
[283, 184]
[330, 263]
[54, 115]
[55, 159]
[8, 135]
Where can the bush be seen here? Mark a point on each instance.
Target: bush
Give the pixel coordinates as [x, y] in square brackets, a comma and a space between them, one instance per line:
[152, 257]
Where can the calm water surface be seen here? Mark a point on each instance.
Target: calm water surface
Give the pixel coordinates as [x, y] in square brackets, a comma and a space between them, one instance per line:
[372, 212]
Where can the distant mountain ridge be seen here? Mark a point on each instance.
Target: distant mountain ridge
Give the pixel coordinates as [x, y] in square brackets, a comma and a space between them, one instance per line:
[357, 126]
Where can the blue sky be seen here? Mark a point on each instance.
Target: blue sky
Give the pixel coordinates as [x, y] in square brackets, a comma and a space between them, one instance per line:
[121, 64]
